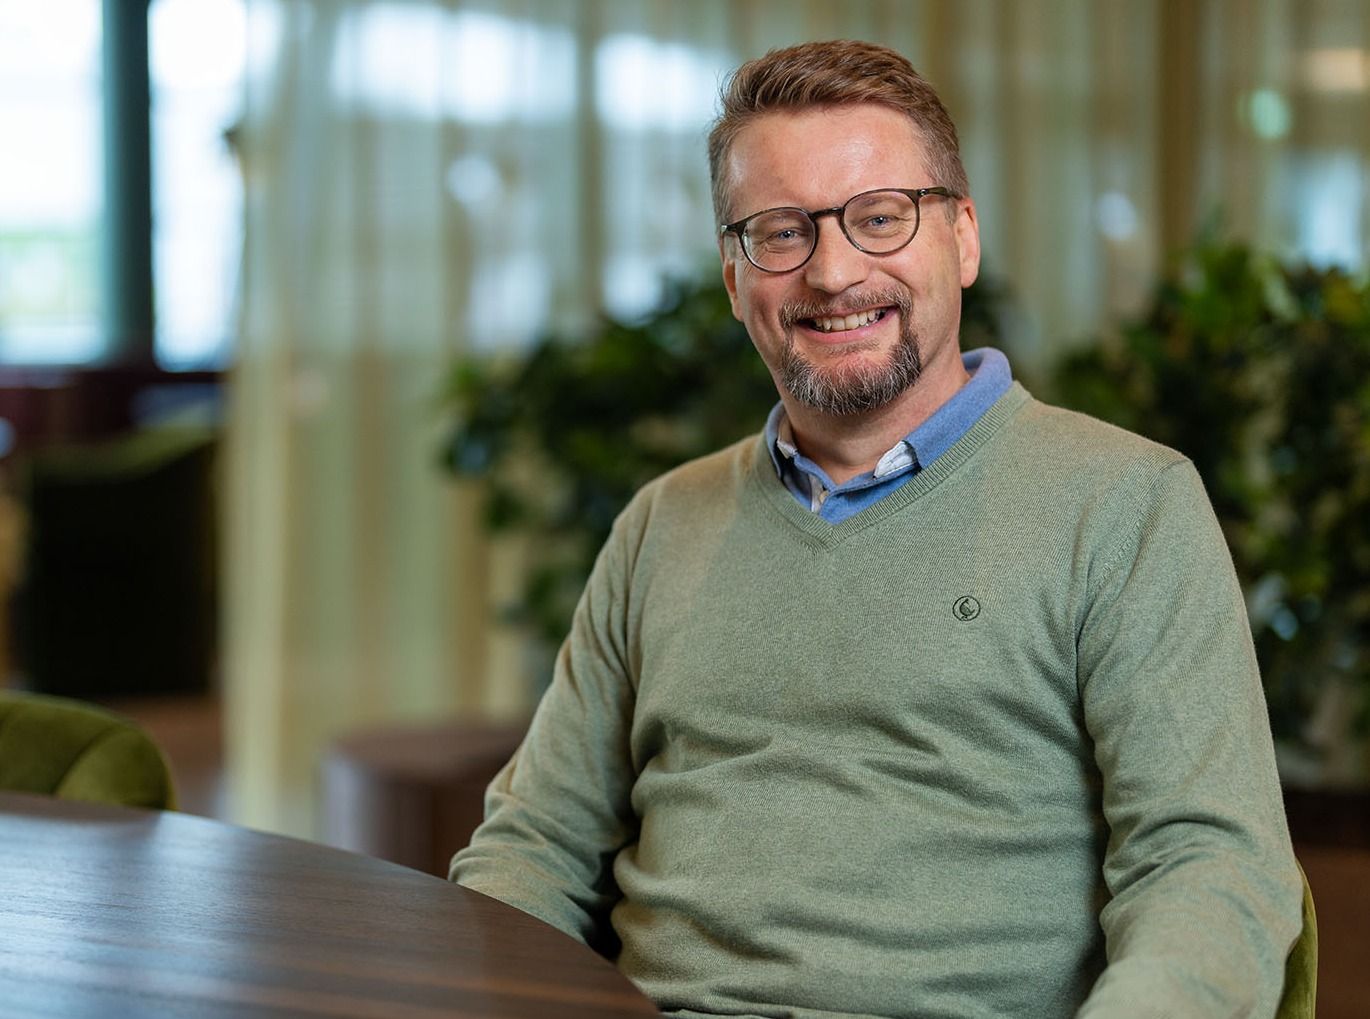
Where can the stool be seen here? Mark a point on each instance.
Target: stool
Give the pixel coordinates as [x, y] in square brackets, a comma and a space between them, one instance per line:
[413, 794]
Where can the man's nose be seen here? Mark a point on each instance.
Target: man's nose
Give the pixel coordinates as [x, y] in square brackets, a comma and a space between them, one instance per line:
[836, 263]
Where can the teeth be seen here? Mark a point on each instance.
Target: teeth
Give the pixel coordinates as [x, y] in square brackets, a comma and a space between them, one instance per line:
[842, 322]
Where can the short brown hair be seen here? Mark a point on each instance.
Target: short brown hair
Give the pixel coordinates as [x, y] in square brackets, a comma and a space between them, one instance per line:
[839, 73]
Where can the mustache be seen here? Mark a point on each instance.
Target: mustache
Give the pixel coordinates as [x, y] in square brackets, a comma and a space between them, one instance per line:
[796, 311]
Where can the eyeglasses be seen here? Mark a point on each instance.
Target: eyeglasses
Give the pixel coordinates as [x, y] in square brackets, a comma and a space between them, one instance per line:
[877, 222]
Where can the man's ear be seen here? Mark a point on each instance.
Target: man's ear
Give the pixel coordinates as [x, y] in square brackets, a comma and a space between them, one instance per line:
[967, 230]
[729, 274]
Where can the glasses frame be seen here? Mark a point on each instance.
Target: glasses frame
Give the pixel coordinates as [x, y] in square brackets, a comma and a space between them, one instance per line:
[738, 228]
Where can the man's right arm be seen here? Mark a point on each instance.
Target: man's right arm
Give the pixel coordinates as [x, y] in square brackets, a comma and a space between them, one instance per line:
[559, 811]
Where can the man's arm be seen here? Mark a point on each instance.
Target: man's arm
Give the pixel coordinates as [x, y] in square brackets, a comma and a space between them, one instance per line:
[1205, 895]
[559, 811]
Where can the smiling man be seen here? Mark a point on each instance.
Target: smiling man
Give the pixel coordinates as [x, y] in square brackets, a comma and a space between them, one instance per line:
[930, 700]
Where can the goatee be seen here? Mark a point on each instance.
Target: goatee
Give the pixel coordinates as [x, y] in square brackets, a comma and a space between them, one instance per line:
[845, 389]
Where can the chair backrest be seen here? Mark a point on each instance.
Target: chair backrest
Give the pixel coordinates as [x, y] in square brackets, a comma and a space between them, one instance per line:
[1301, 968]
[67, 748]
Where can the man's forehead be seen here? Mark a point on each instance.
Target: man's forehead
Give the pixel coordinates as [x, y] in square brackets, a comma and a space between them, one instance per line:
[820, 148]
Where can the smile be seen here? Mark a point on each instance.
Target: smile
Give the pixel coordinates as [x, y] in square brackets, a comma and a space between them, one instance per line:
[841, 323]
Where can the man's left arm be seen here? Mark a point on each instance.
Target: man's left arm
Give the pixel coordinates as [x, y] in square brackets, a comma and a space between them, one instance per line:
[1205, 895]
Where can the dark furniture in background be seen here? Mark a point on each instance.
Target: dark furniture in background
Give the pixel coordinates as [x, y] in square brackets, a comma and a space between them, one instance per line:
[413, 794]
[108, 471]
[118, 593]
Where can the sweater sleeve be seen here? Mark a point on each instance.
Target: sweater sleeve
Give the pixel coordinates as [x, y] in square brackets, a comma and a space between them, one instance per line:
[1205, 895]
[559, 811]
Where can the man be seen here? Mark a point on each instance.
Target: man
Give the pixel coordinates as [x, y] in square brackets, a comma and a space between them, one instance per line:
[931, 701]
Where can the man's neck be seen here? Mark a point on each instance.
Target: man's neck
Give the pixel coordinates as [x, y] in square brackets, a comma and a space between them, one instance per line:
[850, 444]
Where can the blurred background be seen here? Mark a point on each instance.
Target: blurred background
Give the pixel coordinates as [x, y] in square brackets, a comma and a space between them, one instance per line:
[258, 258]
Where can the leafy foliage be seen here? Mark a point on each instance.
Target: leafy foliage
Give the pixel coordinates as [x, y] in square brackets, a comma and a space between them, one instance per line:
[1261, 375]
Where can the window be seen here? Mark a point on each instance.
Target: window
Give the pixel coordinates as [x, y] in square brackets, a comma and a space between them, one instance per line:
[60, 274]
[663, 92]
[196, 51]
[51, 181]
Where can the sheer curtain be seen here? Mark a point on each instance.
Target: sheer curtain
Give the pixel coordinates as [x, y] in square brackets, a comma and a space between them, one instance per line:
[424, 178]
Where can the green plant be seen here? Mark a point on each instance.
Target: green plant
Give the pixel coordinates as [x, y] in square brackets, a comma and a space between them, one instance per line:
[1260, 373]
[565, 434]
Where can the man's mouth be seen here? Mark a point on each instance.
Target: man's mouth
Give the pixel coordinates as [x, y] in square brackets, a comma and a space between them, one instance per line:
[841, 323]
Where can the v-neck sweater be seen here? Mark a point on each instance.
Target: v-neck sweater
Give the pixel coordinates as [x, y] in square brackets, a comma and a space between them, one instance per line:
[995, 745]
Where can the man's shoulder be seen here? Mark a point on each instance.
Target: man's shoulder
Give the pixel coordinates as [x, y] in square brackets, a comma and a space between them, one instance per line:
[1066, 466]
[712, 480]
[1075, 481]
[729, 464]
[1062, 440]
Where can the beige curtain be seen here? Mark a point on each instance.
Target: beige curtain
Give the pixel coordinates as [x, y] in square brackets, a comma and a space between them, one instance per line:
[425, 178]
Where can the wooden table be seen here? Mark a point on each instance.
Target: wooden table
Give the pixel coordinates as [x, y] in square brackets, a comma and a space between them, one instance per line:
[112, 912]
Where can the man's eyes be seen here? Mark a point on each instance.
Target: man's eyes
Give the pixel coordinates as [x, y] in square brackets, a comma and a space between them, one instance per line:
[881, 223]
[784, 236]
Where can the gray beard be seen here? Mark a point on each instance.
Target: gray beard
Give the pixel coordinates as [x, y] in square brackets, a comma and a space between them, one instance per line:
[846, 391]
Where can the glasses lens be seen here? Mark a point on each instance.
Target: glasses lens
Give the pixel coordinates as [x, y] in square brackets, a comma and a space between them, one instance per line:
[779, 240]
[881, 221]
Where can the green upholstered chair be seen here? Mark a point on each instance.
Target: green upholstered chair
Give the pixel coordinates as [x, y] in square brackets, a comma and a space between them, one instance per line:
[1301, 968]
[66, 748]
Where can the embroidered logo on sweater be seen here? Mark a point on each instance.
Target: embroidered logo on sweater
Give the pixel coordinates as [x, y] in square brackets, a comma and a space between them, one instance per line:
[965, 608]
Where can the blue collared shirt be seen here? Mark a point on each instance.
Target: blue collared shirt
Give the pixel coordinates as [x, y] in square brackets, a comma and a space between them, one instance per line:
[990, 378]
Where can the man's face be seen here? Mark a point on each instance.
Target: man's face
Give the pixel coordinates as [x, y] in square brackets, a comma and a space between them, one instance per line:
[902, 310]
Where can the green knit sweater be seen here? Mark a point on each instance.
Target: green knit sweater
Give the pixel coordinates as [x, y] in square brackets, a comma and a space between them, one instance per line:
[995, 746]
